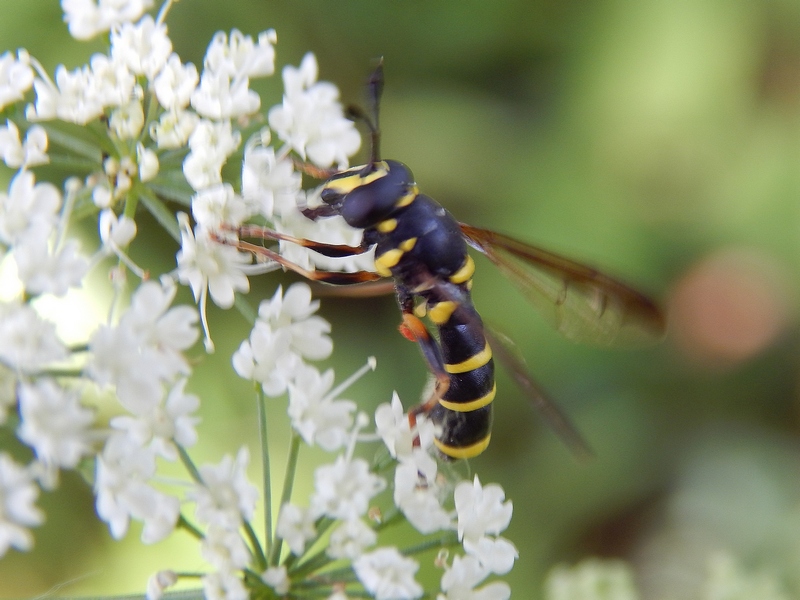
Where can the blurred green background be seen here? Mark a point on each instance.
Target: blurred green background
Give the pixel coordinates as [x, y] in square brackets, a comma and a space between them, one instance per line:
[657, 139]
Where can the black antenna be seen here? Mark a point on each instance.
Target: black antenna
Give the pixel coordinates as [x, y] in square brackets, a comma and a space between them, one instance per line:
[374, 91]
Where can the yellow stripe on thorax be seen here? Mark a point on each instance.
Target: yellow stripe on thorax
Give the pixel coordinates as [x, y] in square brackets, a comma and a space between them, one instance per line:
[391, 258]
[407, 198]
[466, 451]
[465, 272]
[472, 405]
[386, 261]
[387, 226]
[344, 185]
[408, 244]
[473, 362]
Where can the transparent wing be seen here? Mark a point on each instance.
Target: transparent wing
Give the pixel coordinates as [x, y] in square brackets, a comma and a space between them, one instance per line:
[581, 303]
[508, 354]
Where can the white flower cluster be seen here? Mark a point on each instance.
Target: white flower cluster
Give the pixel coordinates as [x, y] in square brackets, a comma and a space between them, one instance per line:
[286, 333]
[16, 77]
[592, 579]
[725, 578]
[345, 489]
[30, 228]
[480, 513]
[88, 18]
[271, 189]
[343, 495]
[169, 131]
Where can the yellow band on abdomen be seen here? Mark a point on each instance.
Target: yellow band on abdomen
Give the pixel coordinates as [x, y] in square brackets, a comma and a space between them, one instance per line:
[463, 452]
[441, 312]
[472, 404]
[472, 363]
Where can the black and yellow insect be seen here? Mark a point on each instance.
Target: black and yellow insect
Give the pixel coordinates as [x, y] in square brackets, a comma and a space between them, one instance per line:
[424, 250]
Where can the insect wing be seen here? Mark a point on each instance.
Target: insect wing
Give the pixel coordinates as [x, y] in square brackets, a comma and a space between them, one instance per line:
[581, 303]
[508, 354]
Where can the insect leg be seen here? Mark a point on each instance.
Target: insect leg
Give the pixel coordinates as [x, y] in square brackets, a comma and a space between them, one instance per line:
[330, 250]
[414, 329]
[320, 211]
[331, 277]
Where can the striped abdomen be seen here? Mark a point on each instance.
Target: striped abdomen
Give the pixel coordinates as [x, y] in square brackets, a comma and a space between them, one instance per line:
[465, 411]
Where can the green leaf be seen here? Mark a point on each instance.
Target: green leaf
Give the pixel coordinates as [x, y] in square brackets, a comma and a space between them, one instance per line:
[77, 145]
[163, 188]
[84, 207]
[74, 163]
[173, 157]
[245, 309]
[160, 211]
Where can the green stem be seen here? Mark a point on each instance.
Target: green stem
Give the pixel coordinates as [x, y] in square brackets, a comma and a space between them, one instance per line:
[343, 575]
[288, 482]
[131, 202]
[265, 465]
[392, 517]
[157, 208]
[187, 462]
[59, 373]
[256, 546]
[162, 13]
[258, 588]
[66, 214]
[184, 523]
[445, 541]
[190, 574]
[244, 308]
[152, 113]
[312, 563]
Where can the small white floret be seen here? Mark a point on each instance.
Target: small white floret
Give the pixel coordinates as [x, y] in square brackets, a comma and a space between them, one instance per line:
[277, 578]
[226, 497]
[388, 575]
[16, 77]
[295, 527]
[481, 510]
[343, 489]
[18, 493]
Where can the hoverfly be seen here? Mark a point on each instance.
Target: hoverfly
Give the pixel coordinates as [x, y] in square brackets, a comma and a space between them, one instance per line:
[422, 248]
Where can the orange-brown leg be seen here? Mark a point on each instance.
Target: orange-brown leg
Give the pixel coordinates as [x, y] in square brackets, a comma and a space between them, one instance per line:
[331, 277]
[413, 328]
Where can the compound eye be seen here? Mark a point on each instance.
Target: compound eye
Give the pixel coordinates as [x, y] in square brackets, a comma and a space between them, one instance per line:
[330, 196]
